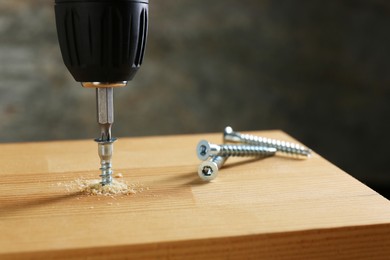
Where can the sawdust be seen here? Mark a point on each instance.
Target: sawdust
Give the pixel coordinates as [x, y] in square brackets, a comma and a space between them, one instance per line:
[118, 175]
[94, 188]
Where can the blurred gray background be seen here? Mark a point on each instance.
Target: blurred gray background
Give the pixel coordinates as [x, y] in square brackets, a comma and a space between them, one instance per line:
[318, 70]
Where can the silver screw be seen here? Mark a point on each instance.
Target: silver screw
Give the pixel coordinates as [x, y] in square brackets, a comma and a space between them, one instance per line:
[292, 149]
[208, 170]
[204, 150]
[105, 150]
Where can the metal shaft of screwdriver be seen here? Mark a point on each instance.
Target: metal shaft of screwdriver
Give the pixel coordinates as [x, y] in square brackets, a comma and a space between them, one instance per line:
[105, 118]
[105, 111]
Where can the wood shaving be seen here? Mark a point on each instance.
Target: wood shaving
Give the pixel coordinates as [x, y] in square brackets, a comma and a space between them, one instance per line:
[93, 187]
[118, 175]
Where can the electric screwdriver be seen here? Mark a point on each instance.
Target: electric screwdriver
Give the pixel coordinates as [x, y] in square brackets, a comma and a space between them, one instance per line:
[102, 44]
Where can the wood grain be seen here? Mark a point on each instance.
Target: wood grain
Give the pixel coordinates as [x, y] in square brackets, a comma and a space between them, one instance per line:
[274, 207]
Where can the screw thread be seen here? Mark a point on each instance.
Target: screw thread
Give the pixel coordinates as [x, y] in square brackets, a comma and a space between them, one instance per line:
[291, 149]
[106, 169]
[245, 150]
[105, 150]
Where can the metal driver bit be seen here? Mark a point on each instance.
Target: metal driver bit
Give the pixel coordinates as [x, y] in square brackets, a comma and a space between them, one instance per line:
[105, 118]
[291, 149]
[204, 150]
[105, 111]
[208, 170]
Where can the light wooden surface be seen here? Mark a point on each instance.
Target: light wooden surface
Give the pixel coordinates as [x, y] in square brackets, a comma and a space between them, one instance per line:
[274, 207]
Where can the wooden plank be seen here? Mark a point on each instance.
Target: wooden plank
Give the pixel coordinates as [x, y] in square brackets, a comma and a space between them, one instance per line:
[273, 207]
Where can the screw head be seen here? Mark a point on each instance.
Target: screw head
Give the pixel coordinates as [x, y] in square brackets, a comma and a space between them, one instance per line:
[227, 130]
[203, 150]
[229, 135]
[208, 171]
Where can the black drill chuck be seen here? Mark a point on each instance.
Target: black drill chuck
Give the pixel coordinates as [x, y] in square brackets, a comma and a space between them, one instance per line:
[102, 40]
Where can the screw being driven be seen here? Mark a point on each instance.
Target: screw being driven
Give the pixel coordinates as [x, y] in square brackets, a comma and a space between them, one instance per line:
[292, 149]
[208, 170]
[105, 150]
[204, 150]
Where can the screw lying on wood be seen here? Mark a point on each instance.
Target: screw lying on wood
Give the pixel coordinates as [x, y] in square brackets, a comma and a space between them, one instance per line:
[291, 149]
[204, 150]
